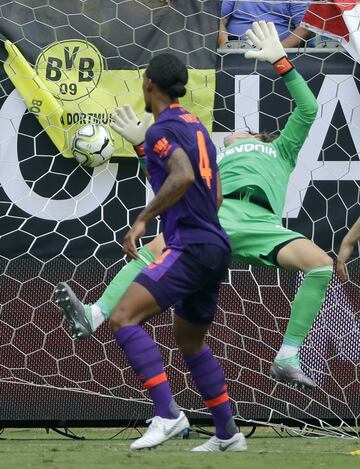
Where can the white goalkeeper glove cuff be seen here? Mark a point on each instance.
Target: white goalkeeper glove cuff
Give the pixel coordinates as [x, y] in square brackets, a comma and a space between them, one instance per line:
[269, 48]
[124, 121]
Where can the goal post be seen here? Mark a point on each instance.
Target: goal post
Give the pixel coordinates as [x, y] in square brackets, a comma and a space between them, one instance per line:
[62, 222]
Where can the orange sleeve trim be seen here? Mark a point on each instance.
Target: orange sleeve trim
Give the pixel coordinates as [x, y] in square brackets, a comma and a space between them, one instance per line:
[166, 151]
[162, 147]
[217, 400]
[283, 66]
[155, 380]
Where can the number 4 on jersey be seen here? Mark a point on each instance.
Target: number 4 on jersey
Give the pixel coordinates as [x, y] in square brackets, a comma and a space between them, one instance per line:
[204, 163]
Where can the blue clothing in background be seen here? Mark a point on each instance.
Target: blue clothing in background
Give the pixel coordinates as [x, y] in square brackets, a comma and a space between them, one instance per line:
[285, 15]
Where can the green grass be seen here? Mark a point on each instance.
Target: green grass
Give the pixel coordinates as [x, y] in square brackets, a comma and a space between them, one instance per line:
[20, 449]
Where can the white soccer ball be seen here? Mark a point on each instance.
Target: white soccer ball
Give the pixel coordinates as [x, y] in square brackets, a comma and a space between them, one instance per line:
[92, 145]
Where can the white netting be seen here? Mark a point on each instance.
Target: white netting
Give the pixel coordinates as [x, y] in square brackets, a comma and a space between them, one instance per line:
[60, 221]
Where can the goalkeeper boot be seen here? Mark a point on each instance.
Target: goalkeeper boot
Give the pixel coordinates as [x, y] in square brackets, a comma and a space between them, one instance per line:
[236, 443]
[288, 370]
[74, 311]
[160, 430]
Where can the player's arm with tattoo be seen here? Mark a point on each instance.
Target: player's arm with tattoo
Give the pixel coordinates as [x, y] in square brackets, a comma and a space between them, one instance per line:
[181, 176]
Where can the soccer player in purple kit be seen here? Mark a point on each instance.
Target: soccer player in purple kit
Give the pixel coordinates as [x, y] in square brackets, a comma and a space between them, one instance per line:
[181, 165]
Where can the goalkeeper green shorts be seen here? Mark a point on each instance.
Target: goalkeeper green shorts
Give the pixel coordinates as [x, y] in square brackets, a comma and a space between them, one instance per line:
[256, 234]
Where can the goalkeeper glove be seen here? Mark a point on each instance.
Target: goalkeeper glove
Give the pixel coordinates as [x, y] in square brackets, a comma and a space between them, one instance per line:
[125, 122]
[265, 37]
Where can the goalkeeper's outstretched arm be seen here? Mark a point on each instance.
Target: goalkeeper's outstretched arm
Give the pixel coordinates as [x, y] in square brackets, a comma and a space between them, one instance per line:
[126, 123]
[269, 49]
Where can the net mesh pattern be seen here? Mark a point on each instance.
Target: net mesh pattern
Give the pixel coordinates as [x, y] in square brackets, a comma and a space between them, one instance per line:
[44, 374]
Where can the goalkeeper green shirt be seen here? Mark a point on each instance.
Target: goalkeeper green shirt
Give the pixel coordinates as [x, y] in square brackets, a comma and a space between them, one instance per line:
[264, 168]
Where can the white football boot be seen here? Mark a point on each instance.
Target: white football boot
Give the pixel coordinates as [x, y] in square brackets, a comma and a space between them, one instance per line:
[288, 370]
[160, 430]
[74, 311]
[235, 443]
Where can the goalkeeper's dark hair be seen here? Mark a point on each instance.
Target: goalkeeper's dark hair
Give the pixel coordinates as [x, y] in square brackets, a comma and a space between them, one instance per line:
[169, 73]
[265, 137]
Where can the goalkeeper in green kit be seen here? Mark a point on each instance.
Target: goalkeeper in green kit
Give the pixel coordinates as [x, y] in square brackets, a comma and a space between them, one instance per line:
[254, 170]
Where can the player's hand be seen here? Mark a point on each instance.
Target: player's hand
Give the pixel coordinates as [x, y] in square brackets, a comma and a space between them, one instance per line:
[345, 252]
[131, 238]
[266, 39]
[126, 123]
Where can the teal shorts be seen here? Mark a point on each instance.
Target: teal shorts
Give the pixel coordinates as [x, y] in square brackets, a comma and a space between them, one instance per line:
[256, 234]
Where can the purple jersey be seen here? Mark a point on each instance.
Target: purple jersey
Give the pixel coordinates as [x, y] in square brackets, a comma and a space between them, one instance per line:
[193, 219]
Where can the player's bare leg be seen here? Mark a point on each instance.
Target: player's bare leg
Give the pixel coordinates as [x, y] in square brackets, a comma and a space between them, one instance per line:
[301, 254]
[84, 319]
[209, 378]
[136, 306]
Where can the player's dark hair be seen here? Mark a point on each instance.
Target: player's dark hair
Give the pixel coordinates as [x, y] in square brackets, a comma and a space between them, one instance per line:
[169, 74]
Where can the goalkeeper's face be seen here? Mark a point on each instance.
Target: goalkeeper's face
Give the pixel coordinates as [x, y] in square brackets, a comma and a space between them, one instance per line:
[234, 137]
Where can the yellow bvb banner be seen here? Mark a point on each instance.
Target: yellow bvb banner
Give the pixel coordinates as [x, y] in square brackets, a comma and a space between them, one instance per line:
[70, 87]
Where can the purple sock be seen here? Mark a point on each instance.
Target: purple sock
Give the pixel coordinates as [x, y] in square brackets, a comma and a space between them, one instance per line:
[145, 359]
[210, 380]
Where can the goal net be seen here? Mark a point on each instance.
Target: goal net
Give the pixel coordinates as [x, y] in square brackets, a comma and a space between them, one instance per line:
[67, 63]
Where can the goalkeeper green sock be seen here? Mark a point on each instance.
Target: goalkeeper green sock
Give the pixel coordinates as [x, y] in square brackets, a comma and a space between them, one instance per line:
[306, 305]
[101, 310]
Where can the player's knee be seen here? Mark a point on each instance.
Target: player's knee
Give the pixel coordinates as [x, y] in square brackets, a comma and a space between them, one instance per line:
[189, 348]
[327, 261]
[321, 260]
[121, 317]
